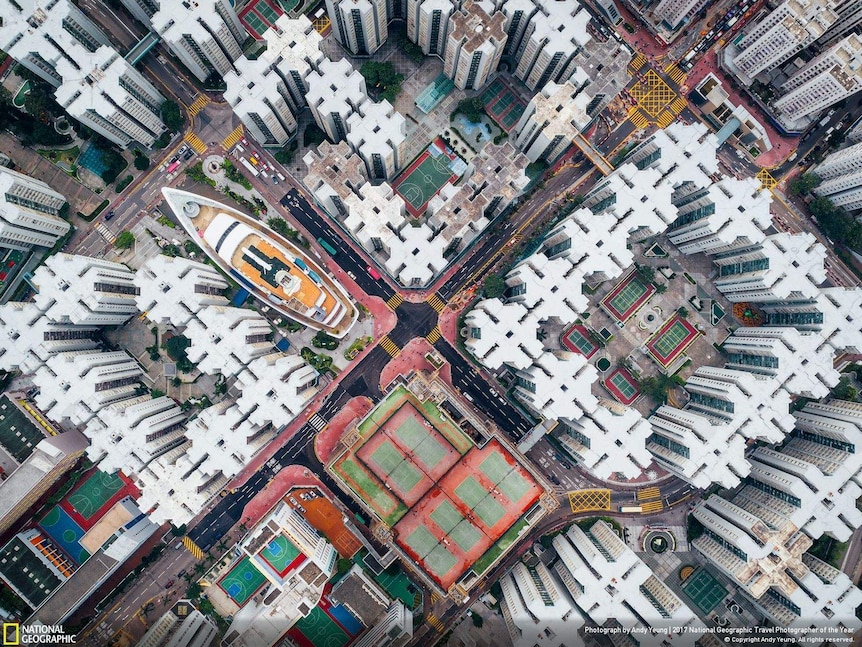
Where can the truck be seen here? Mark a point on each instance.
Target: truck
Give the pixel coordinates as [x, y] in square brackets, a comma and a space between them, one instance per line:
[250, 168]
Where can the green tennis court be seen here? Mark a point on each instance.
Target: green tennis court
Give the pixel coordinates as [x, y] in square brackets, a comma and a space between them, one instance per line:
[269, 14]
[471, 492]
[705, 590]
[242, 581]
[440, 561]
[446, 516]
[392, 463]
[577, 340]
[671, 340]
[514, 486]
[321, 630]
[423, 443]
[95, 492]
[421, 541]
[627, 297]
[495, 467]
[489, 511]
[466, 535]
[626, 388]
[280, 553]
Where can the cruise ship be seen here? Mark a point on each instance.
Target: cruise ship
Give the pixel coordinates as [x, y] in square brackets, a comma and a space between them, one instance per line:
[270, 267]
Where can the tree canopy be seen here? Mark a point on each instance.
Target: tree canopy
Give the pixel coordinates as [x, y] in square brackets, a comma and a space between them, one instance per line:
[382, 79]
[171, 115]
[125, 239]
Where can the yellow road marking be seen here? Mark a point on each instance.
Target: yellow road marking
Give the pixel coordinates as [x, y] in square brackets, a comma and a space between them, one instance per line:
[590, 500]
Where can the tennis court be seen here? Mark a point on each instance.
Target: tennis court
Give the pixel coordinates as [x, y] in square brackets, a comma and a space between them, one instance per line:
[320, 630]
[577, 340]
[622, 385]
[434, 555]
[427, 175]
[258, 16]
[395, 467]
[480, 501]
[433, 95]
[424, 445]
[280, 554]
[95, 492]
[242, 581]
[671, 340]
[65, 533]
[503, 105]
[705, 590]
[627, 298]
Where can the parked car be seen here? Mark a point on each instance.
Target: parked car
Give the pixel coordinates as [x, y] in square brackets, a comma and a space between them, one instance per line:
[110, 215]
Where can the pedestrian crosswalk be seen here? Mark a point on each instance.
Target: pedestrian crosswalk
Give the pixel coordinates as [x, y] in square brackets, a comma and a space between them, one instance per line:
[434, 336]
[235, 135]
[198, 104]
[106, 233]
[649, 493]
[389, 346]
[637, 63]
[651, 506]
[675, 73]
[637, 118]
[394, 301]
[436, 302]
[318, 422]
[678, 105]
[665, 119]
[434, 621]
[196, 142]
[193, 548]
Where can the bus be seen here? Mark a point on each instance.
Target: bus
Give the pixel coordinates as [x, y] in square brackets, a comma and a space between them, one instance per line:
[631, 508]
[329, 248]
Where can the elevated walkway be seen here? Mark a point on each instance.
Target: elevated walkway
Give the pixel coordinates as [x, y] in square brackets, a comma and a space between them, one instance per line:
[142, 48]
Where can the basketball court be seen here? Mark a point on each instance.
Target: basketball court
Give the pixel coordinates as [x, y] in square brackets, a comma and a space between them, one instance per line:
[318, 629]
[95, 493]
[622, 385]
[258, 16]
[431, 171]
[577, 340]
[66, 533]
[671, 340]
[705, 590]
[281, 555]
[242, 581]
[627, 298]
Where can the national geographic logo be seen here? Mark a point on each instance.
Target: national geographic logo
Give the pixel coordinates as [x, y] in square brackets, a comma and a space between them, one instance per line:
[16, 634]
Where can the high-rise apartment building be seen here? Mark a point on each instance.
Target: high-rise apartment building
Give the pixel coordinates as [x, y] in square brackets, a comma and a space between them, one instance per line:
[474, 46]
[85, 291]
[94, 84]
[841, 177]
[361, 26]
[518, 14]
[849, 18]
[268, 93]
[825, 80]
[428, 24]
[552, 119]
[555, 36]
[786, 30]
[206, 35]
[335, 92]
[377, 133]
[29, 212]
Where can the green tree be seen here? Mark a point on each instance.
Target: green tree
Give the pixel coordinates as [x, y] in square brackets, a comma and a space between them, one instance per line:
[382, 79]
[844, 390]
[125, 239]
[313, 135]
[646, 273]
[657, 387]
[494, 286]
[804, 183]
[142, 162]
[171, 116]
[473, 108]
